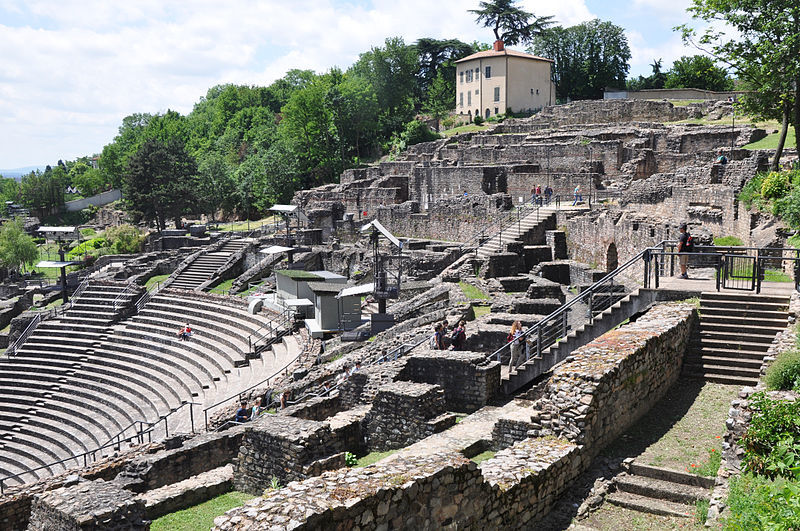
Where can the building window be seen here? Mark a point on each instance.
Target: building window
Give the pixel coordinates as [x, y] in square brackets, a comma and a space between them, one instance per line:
[461, 77]
[496, 111]
[486, 115]
[460, 99]
[477, 73]
[497, 94]
[469, 98]
[469, 76]
[477, 92]
[488, 73]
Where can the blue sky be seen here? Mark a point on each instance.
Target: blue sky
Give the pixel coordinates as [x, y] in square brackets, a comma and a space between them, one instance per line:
[70, 70]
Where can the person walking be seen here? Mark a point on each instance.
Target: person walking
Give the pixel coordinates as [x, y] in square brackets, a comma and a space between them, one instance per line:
[516, 340]
[578, 196]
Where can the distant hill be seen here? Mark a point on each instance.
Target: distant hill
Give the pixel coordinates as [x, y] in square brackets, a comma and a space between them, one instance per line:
[19, 172]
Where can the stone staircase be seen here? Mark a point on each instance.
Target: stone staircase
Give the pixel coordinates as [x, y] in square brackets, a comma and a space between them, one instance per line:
[659, 491]
[735, 333]
[624, 308]
[203, 267]
[517, 231]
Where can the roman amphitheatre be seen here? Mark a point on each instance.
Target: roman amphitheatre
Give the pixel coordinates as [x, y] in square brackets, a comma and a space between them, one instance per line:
[623, 380]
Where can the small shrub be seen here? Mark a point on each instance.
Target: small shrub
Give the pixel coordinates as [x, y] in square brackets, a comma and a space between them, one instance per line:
[788, 208]
[125, 239]
[416, 132]
[784, 373]
[751, 192]
[350, 459]
[728, 241]
[478, 120]
[701, 511]
[756, 502]
[772, 442]
[775, 185]
[448, 122]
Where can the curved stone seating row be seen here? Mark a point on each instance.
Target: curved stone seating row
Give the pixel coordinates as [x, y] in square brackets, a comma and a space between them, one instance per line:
[79, 380]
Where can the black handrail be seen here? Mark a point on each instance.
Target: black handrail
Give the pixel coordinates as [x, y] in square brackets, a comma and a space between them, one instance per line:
[546, 338]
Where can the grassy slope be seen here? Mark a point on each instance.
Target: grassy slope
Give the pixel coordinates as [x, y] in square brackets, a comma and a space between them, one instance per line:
[200, 516]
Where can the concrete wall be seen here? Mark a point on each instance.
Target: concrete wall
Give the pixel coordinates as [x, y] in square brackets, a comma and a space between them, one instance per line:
[98, 200]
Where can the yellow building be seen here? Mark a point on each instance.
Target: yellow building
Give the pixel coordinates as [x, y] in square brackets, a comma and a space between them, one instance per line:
[489, 82]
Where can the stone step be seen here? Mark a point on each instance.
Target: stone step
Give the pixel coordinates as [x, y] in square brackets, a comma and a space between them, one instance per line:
[649, 505]
[742, 337]
[777, 316]
[715, 343]
[722, 379]
[748, 322]
[673, 476]
[741, 329]
[726, 353]
[742, 297]
[745, 305]
[706, 359]
[660, 489]
[707, 369]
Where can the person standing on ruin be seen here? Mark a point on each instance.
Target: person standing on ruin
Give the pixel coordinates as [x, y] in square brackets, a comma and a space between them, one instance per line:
[685, 245]
[548, 193]
[516, 340]
[459, 336]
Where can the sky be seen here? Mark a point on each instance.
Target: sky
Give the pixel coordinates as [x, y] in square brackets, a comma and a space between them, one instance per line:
[70, 70]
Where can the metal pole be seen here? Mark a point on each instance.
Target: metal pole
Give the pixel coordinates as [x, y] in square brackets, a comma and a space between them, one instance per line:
[191, 415]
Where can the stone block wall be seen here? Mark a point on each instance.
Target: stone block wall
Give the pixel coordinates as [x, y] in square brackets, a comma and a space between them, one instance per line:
[87, 506]
[469, 382]
[607, 385]
[196, 455]
[285, 448]
[400, 414]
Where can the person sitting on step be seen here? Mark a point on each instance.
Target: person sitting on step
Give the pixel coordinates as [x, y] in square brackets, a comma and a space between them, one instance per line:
[185, 332]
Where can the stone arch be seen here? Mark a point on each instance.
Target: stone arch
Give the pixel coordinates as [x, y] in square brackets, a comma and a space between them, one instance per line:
[612, 258]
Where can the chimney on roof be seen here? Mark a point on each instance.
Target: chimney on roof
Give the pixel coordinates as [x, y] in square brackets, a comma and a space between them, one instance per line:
[498, 46]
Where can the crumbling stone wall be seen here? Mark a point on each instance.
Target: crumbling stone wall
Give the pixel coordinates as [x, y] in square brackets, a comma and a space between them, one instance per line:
[401, 413]
[468, 380]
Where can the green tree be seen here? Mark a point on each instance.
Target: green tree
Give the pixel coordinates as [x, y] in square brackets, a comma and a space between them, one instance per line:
[392, 71]
[655, 81]
[124, 239]
[760, 41]
[9, 191]
[161, 182]
[114, 157]
[441, 99]
[88, 180]
[216, 185]
[588, 58]
[17, 249]
[44, 191]
[698, 71]
[439, 56]
[510, 24]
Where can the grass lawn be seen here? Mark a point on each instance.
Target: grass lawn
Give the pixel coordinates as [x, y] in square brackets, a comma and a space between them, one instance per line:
[775, 275]
[681, 429]
[467, 128]
[480, 311]
[152, 281]
[57, 302]
[483, 456]
[200, 516]
[223, 287]
[682, 103]
[771, 141]
[242, 225]
[613, 517]
[471, 292]
[373, 457]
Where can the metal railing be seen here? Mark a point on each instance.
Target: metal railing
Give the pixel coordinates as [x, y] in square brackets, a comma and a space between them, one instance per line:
[12, 348]
[495, 228]
[114, 442]
[592, 301]
[270, 332]
[265, 381]
[122, 298]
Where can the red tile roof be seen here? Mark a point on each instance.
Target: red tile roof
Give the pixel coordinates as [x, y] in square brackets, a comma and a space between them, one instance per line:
[512, 53]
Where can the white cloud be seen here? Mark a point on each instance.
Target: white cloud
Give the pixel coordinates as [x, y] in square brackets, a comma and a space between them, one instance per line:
[72, 69]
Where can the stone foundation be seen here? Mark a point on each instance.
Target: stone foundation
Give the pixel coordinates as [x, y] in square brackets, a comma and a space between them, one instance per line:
[401, 414]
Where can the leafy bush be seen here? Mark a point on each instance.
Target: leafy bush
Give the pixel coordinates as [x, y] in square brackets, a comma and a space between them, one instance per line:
[88, 246]
[417, 132]
[772, 442]
[478, 120]
[448, 122]
[788, 207]
[784, 374]
[775, 185]
[728, 241]
[758, 503]
[350, 459]
[751, 192]
[125, 239]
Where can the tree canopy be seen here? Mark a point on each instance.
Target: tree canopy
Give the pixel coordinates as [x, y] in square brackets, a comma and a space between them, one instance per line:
[510, 24]
[17, 249]
[160, 182]
[588, 58]
[698, 71]
[760, 42]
